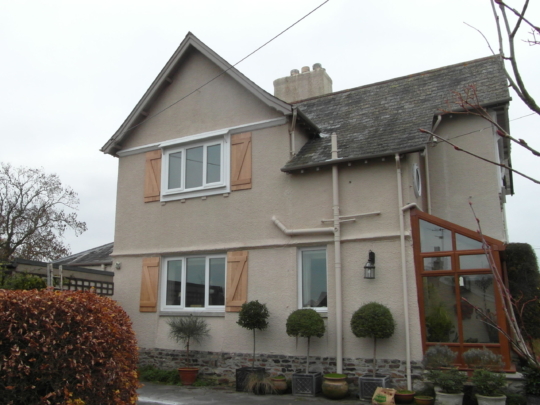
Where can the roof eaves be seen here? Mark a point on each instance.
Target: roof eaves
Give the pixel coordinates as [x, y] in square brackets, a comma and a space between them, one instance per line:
[351, 159]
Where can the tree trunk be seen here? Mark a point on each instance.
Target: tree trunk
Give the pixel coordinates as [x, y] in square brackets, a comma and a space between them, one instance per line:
[253, 359]
[374, 357]
[307, 359]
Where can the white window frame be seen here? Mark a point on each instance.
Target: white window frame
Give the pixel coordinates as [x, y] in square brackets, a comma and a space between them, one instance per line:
[223, 186]
[182, 307]
[300, 280]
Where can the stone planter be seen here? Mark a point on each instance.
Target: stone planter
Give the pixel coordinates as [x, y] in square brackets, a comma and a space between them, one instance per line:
[335, 386]
[309, 384]
[484, 400]
[368, 385]
[442, 398]
[242, 374]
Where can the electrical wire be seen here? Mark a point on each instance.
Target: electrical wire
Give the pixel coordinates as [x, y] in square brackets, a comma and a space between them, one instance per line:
[226, 70]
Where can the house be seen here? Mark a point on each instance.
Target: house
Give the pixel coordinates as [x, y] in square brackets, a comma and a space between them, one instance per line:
[227, 193]
[83, 271]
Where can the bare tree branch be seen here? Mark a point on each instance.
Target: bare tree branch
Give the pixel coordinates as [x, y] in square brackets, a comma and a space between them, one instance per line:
[468, 102]
[436, 137]
[33, 216]
[514, 77]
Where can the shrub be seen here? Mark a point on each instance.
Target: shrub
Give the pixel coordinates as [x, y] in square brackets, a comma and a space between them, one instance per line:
[65, 347]
[532, 381]
[439, 356]
[524, 285]
[451, 381]
[187, 329]
[483, 358]
[488, 383]
[253, 316]
[23, 281]
[305, 323]
[373, 320]
[153, 374]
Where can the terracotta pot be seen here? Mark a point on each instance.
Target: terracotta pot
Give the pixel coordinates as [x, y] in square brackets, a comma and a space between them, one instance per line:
[424, 400]
[404, 398]
[335, 387]
[188, 375]
[280, 385]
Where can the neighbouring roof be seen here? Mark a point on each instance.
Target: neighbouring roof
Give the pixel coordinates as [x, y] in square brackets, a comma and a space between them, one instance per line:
[91, 257]
[382, 119]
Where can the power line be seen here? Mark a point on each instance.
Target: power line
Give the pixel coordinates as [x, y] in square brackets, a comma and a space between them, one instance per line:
[225, 71]
[480, 130]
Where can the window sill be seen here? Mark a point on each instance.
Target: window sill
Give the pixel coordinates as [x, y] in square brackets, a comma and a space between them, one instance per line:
[194, 313]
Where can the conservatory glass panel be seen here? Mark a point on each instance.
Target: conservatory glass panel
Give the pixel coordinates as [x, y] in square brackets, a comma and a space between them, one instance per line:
[434, 238]
[439, 306]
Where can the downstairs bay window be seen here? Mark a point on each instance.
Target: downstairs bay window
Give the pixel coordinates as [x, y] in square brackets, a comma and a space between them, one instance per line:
[457, 292]
[193, 283]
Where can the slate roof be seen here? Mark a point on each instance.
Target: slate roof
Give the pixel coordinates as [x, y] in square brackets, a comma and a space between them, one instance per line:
[383, 118]
[91, 257]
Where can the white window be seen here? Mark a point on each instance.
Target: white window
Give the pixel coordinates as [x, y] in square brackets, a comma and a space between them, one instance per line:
[312, 278]
[195, 168]
[193, 283]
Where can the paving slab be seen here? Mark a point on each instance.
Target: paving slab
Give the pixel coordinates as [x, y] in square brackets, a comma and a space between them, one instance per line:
[157, 394]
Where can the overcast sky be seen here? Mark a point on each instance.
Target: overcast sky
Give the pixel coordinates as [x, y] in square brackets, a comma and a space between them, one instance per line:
[71, 72]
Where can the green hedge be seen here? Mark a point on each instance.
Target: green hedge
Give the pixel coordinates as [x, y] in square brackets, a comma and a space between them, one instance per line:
[524, 284]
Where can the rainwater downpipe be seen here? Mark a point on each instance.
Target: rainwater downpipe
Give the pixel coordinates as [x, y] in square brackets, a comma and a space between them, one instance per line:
[337, 258]
[404, 272]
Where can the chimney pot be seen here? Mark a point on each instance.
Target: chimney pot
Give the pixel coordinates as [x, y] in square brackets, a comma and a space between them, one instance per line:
[302, 86]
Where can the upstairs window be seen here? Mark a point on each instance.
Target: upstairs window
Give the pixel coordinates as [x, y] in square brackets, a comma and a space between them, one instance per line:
[194, 167]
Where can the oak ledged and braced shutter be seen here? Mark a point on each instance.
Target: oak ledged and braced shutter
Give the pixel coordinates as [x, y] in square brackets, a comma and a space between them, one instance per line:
[149, 284]
[241, 161]
[152, 176]
[237, 272]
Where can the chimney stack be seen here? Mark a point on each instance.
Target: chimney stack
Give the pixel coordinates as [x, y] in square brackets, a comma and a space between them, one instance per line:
[300, 86]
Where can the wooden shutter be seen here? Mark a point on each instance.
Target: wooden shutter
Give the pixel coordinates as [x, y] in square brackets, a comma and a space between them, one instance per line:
[241, 161]
[237, 269]
[149, 284]
[152, 176]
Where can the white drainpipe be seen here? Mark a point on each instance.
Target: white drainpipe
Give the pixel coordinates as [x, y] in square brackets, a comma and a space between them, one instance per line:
[306, 231]
[404, 271]
[337, 258]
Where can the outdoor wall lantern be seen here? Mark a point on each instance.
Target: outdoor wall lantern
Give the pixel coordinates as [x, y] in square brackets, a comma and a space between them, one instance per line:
[369, 268]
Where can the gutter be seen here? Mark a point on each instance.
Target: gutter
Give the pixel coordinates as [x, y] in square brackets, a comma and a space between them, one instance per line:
[351, 159]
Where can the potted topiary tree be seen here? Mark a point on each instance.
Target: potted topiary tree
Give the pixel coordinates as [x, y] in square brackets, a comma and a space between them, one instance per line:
[450, 383]
[185, 330]
[373, 320]
[489, 387]
[252, 316]
[306, 323]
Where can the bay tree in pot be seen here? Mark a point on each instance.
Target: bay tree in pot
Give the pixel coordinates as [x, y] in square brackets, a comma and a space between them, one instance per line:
[184, 330]
[306, 323]
[252, 316]
[489, 387]
[373, 320]
[451, 383]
